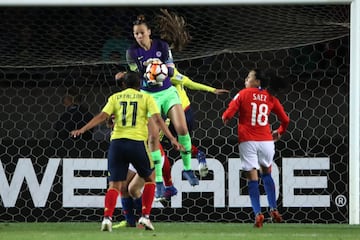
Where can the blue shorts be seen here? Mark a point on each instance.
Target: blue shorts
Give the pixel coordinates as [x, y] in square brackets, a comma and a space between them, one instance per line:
[124, 151]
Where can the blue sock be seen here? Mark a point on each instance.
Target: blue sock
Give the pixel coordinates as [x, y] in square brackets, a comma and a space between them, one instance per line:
[254, 194]
[269, 186]
[127, 208]
[138, 205]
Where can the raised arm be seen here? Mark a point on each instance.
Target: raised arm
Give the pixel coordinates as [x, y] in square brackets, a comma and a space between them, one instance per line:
[101, 117]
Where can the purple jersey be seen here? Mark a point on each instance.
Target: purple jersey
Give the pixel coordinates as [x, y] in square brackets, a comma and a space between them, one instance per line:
[136, 56]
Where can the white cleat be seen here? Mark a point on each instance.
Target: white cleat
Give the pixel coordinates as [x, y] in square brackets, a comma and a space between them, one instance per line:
[146, 223]
[106, 225]
[203, 169]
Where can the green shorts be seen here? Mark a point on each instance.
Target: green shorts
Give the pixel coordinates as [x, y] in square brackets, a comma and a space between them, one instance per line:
[165, 99]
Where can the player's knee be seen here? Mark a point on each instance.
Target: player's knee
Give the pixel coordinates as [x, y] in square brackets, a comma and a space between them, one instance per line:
[182, 130]
[134, 193]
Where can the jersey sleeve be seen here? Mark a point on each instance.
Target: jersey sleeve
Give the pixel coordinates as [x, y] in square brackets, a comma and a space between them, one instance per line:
[168, 58]
[197, 86]
[131, 61]
[278, 109]
[232, 108]
[180, 79]
[109, 106]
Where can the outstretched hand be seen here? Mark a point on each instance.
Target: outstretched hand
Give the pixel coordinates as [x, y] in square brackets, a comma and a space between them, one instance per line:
[177, 145]
[76, 133]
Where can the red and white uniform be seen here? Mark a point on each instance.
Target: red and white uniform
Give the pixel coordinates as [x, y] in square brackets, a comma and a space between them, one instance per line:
[254, 106]
[256, 145]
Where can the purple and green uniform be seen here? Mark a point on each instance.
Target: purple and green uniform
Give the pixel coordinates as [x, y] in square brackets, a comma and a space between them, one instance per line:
[166, 96]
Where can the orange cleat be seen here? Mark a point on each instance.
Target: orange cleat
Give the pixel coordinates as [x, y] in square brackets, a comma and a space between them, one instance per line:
[259, 219]
[276, 216]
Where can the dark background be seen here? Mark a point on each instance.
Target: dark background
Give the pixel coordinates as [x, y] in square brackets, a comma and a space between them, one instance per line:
[308, 45]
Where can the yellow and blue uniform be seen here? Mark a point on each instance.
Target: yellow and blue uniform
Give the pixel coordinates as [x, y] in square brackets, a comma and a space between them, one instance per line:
[130, 133]
[179, 81]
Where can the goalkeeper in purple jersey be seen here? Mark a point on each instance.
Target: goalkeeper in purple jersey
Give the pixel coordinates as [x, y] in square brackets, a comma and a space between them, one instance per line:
[138, 56]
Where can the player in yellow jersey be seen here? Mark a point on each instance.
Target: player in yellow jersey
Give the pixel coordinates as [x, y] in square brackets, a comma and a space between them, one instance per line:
[129, 145]
[131, 196]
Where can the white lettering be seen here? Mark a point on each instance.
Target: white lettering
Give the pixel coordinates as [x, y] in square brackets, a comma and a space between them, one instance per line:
[216, 186]
[70, 182]
[39, 190]
[290, 182]
[259, 97]
[25, 171]
[238, 200]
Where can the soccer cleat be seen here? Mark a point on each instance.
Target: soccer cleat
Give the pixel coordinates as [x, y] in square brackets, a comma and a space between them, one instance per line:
[169, 192]
[276, 216]
[159, 193]
[123, 224]
[203, 169]
[189, 175]
[146, 223]
[164, 202]
[106, 225]
[259, 219]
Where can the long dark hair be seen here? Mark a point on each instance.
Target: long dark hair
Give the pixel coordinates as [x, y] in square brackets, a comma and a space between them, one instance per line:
[270, 81]
[172, 29]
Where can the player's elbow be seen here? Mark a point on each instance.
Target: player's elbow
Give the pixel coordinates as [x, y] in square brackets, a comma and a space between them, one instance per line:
[286, 121]
[157, 118]
[103, 116]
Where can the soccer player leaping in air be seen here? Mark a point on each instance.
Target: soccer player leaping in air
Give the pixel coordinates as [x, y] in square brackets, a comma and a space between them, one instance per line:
[165, 95]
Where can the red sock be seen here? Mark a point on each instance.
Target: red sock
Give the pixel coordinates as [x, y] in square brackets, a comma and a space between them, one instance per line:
[194, 151]
[148, 197]
[166, 171]
[110, 202]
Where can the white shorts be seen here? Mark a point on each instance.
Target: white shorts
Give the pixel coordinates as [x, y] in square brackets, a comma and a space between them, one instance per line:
[254, 154]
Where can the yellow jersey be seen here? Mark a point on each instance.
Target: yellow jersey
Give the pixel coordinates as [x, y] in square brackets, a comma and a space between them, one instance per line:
[180, 81]
[131, 108]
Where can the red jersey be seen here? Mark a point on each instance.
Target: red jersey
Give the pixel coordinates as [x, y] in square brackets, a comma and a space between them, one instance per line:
[254, 106]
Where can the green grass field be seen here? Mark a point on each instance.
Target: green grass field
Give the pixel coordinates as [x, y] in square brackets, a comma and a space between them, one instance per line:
[179, 231]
